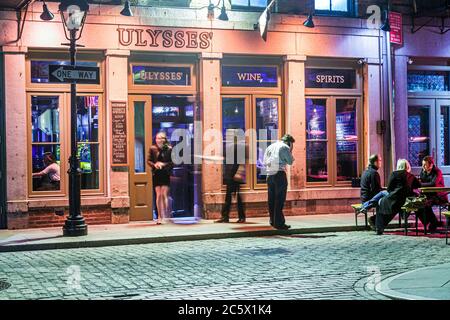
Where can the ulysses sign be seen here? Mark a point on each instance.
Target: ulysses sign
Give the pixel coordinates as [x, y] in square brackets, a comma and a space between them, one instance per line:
[157, 38]
[330, 78]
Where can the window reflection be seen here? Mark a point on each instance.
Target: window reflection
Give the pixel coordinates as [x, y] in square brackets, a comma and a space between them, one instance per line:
[444, 135]
[316, 140]
[45, 148]
[346, 139]
[233, 118]
[139, 136]
[418, 134]
[87, 136]
[40, 70]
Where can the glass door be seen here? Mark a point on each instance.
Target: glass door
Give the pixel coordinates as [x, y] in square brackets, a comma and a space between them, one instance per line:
[141, 190]
[443, 135]
[421, 128]
[174, 115]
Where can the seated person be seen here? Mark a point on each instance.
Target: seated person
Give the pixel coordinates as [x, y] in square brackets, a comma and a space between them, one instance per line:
[400, 186]
[51, 173]
[431, 176]
[371, 190]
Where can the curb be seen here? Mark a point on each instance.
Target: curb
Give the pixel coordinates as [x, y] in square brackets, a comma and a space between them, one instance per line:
[136, 241]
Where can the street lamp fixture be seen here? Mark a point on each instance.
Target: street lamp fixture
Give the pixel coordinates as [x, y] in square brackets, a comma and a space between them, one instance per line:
[127, 10]
[309, 23]
[73, 15]
[46, 15]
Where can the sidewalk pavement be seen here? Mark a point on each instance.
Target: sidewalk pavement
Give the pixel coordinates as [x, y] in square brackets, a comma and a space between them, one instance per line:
[431, 283]
[183, 230]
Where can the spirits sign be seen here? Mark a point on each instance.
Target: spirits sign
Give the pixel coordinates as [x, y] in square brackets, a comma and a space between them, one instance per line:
[330, 78]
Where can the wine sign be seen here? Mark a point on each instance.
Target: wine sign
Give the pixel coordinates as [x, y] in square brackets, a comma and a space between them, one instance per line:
[119, 145]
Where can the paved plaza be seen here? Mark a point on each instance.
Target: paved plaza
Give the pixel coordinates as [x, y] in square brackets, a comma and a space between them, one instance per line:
[343, 265]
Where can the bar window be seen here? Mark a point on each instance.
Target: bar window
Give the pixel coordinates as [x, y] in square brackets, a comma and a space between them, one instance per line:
[346, 139]
[444, 135]
[266, 131]
[316, 140]
[45, 143]
[233, 118]
[333, 6]
[40, 69]
[88, 140]
[418, 134]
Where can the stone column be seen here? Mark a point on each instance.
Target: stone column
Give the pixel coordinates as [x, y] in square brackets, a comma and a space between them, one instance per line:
[210, 102]
[294, 113]
[372, 112]
[401, 106]
[16, 136]
[117, 185]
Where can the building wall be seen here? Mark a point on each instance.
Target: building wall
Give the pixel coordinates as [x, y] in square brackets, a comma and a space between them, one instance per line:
[288, 39]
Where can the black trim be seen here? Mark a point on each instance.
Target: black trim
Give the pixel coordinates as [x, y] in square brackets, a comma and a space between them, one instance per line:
[3, 220]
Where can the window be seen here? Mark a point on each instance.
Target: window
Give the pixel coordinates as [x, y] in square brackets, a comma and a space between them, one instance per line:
[40, 73]
[50, 141]
[252, 112]
[333, 7]
[332, 140]
[249, 4]
[45, 143]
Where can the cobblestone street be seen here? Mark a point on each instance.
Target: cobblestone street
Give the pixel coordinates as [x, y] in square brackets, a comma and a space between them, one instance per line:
[342, 265]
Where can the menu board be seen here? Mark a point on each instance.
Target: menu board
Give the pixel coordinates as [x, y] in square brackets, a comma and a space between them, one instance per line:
[119, 146]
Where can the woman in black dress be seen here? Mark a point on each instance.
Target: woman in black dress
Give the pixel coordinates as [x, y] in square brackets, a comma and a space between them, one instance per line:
[160, 160]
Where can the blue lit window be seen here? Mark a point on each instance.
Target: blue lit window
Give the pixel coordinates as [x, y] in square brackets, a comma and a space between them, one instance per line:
[39, 69]
[333, 7]
[249, 4]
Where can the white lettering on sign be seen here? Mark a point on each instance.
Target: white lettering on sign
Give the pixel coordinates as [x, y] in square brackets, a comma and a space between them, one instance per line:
[62, 74]
[250, 77]
[320, 78]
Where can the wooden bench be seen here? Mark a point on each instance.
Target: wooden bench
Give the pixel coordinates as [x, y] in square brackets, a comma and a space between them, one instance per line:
[357, 207]
[406, 213]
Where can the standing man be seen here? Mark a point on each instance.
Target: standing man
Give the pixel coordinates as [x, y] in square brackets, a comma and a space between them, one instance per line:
[276, 157]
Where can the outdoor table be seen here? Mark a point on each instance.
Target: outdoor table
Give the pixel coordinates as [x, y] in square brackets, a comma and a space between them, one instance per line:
[426, 190]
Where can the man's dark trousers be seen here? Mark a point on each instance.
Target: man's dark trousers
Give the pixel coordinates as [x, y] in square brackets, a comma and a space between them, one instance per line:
[277, 188]
[233, 188]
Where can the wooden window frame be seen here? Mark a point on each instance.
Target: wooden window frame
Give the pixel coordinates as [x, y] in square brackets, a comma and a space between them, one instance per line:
[250, 123]
[331, 140]
[63, 90]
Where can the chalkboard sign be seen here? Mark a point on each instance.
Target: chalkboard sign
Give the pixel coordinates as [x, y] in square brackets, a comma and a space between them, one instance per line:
[119, 146]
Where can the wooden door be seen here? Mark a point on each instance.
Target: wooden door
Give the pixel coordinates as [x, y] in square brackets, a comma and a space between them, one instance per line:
[141, 190]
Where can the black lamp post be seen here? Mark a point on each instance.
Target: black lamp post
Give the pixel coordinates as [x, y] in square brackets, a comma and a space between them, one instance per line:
[73, 15]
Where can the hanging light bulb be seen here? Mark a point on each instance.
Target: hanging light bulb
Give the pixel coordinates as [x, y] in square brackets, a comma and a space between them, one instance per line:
[223, 12]
[46, 15]
[127, 10]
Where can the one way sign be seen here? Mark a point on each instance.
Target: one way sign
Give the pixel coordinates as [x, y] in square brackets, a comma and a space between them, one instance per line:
[68, 74]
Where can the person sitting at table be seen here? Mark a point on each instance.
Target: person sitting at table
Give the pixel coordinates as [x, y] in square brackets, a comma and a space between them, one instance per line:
[431, 176]
[401, 184]
[51, 174]
[371, 190]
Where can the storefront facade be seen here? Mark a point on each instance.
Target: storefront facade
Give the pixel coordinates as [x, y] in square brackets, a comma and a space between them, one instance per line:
[320, 85]
[422, 103]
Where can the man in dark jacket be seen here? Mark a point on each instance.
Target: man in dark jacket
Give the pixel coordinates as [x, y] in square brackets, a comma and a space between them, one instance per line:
[233, 180]
[371, 190]
[401, 184]
[431, 176]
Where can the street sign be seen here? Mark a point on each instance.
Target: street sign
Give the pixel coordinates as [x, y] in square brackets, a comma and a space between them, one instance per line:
[69, 74]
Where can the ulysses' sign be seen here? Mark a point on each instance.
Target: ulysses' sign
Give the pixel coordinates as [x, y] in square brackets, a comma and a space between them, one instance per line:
[63, 74]
[330, 78]
[161, 75]
[157, 38]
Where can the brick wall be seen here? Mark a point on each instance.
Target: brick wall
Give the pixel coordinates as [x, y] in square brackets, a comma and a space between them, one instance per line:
[295, 207]
[43, 218]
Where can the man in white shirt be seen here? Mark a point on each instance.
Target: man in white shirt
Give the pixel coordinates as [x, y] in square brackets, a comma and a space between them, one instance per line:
[276, 157]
